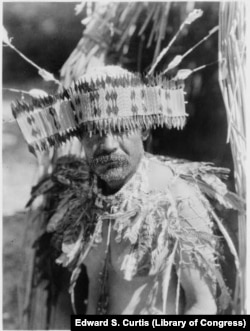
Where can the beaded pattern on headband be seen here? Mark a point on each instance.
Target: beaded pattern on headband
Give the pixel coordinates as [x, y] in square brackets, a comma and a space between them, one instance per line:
[125, 102]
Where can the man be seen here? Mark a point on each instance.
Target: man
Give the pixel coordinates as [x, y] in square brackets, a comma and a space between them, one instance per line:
[115, 159]
[140, 224]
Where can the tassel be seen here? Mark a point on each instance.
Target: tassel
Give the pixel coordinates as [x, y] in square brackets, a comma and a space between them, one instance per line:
[166, 277]
[102, 304]
[129, 266]
[177, 300]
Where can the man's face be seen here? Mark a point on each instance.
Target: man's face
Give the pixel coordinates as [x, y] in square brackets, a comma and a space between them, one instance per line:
[114, 157]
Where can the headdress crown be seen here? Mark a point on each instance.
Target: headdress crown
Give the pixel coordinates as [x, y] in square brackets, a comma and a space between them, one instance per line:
[108, 98]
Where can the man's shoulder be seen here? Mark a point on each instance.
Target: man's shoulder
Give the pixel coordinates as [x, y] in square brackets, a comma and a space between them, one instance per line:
[186, 194]
[163, 175]
[159, 174]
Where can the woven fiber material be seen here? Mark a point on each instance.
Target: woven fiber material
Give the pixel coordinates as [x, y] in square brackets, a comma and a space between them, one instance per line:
[120, 101]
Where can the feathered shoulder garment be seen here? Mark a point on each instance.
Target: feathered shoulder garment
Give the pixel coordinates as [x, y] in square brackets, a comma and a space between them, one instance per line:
[166, 229]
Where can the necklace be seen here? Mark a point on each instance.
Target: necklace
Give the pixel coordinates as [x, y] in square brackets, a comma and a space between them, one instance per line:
[117, 209]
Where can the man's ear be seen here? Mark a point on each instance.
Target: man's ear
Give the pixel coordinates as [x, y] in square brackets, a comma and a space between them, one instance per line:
[145, 134]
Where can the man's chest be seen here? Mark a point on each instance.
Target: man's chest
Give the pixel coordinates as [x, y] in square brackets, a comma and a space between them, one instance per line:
[107, 251]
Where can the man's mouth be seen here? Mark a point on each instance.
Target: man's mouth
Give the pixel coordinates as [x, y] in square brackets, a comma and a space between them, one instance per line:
[110, 161]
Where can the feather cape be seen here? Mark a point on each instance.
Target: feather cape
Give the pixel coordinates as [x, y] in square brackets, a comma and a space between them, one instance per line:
[154, 222]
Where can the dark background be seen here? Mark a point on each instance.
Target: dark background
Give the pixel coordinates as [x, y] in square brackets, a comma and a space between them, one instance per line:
[47, 33]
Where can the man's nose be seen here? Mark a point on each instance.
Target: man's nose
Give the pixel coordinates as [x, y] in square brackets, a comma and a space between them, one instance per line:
[109, 143]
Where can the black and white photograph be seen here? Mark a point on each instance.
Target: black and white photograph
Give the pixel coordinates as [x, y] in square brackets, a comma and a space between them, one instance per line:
[123, 164]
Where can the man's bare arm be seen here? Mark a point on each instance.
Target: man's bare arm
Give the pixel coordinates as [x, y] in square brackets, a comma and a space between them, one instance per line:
[197, 285]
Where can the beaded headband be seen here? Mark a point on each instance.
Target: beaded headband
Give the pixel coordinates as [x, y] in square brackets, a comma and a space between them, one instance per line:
[110, 98]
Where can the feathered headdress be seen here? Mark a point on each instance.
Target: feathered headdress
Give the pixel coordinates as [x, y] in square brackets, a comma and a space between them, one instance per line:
[107, 99]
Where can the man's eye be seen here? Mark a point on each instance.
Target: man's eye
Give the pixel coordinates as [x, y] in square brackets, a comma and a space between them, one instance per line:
[91, 136]
[122, 130]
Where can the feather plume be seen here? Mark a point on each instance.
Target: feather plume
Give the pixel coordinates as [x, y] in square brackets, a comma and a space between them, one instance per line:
[44, 186]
